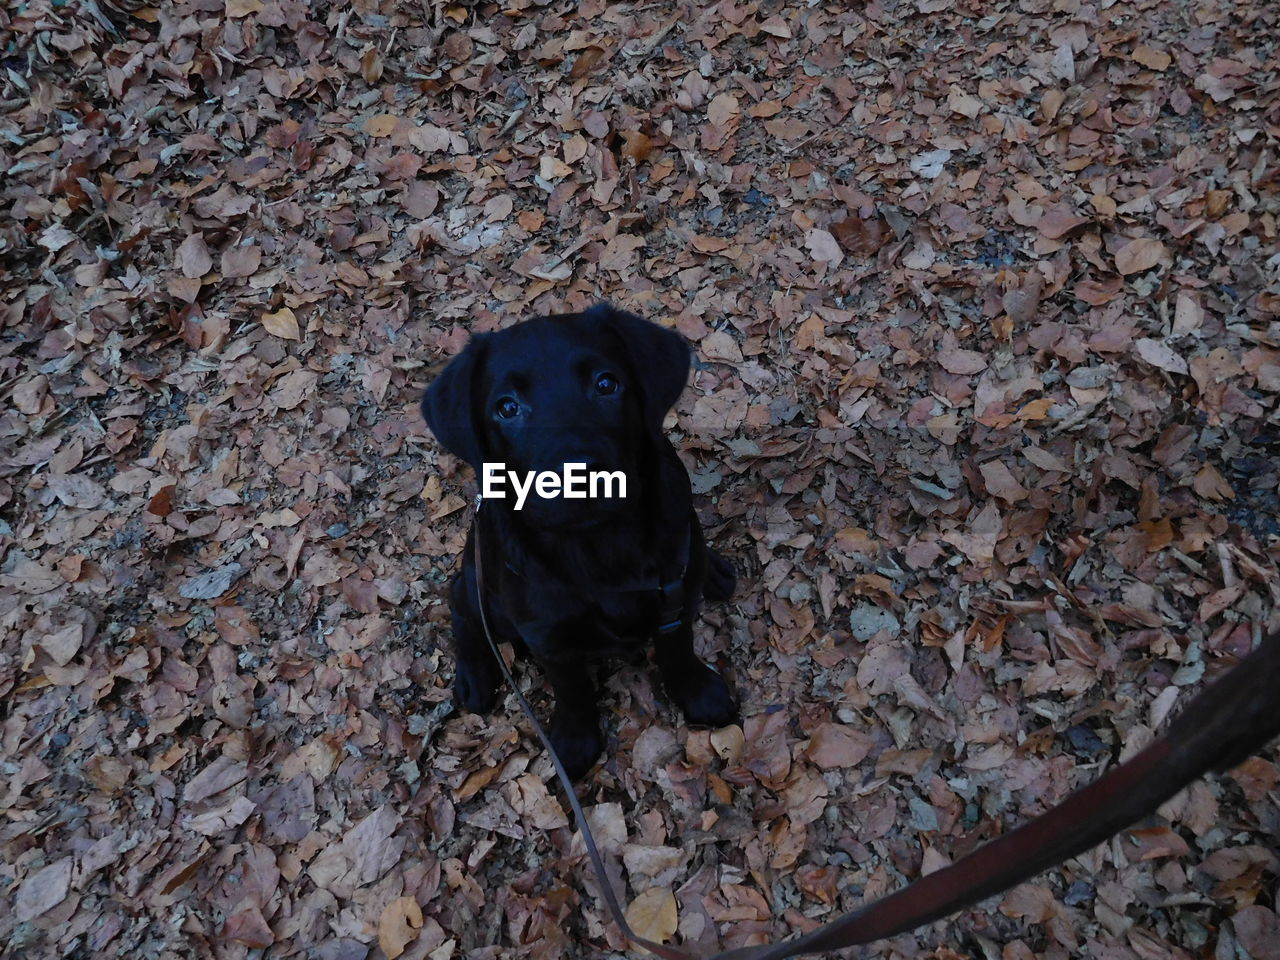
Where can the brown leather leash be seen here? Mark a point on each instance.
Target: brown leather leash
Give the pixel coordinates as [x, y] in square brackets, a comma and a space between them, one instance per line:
[1228, 721]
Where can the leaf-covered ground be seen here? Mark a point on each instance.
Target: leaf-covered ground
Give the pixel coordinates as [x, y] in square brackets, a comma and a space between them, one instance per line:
[985, 301]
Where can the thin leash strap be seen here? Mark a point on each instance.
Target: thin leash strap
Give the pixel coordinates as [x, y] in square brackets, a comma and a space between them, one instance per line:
[1231, 719]
[597, 863]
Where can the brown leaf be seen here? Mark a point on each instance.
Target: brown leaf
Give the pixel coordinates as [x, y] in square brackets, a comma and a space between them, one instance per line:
[193, 257]
[222, 773]
[249, 927]
[652, 914]
[29, 397]
[241, 260]
[718, 345]
[1188, 315]
[722, 109]
[728, 742]
[963, 103]
[962, 362]
[776, 26]
[1156, 842]
[978, 541]
[822, 245]
[381, 124]
[531, 799]
[77, 490]
[220, 818]
[1160, 354]
[371, 65]
[766, 752]
[283, 323]
[1211, 485]
[420, 199]
[46, 888]
[64, 643]
[1058, 220]
[399, 925]
[636, 145]
[1030, 902]
[1051, 102]
[1138, 255]
[587, 61]
[161, 503]
[620, 252]
[372, 846]
[1001, 483]
[1151, 58]
[860, 237]
[1021, 303]
[836, 745]
[243, 8]
[1098, 292]
[1258, 930]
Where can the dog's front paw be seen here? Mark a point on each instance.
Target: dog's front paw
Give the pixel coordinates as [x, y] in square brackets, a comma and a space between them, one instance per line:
[578, 743]
[704, 698]
[475, 684]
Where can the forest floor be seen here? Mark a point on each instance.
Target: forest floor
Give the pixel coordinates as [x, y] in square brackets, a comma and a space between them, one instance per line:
[985, 304]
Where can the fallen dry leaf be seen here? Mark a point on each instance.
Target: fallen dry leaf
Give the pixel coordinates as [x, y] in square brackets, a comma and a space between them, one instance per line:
[822, 245]
[399, 925]
[193, 257]
[282, 323]
[652, 914]
[1140, 254]
[973, 298]
[46, 888]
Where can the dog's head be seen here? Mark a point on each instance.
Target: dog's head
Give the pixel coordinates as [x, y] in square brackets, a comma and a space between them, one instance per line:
[588, 388]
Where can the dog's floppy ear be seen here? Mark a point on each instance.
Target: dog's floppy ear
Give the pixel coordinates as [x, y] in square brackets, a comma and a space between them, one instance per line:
[448, 406]
[659, 357]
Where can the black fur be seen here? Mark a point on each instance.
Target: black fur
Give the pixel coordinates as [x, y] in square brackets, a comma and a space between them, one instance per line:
[561, 575]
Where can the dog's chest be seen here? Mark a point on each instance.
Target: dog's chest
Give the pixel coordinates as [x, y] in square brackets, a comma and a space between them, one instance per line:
[631, 614]
[620, 622]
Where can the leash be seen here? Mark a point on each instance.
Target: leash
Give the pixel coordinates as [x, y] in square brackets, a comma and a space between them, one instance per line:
[597, 863]
[1227, 722]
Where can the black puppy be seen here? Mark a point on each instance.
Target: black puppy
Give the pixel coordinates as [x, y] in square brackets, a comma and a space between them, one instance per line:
[575, 580]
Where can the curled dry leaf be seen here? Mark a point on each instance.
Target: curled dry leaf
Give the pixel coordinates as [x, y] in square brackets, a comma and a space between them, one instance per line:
[728, 742]
[248, 926]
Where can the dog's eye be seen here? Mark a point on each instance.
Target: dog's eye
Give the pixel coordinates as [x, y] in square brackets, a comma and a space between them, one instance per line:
[507, 408]
[606, 384]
